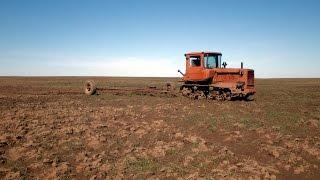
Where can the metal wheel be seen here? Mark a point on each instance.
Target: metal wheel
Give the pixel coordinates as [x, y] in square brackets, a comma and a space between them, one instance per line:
[90, 87]
[200, 95]
[227, 96]
[220, 97]
[211, 95]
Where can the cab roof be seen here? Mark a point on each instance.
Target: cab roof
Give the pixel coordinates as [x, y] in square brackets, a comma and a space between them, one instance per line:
[203, 52]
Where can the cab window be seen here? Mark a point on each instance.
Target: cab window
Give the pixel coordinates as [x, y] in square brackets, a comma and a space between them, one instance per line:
[195, 61]
[210, 61]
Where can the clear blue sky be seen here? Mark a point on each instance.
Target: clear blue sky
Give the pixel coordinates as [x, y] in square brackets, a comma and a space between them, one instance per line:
[277, 38]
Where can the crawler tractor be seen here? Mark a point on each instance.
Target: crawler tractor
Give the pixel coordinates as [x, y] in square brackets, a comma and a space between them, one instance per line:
[205, 78]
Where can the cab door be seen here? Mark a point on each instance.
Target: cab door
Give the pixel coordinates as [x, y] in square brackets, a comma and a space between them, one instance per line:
[194, 69]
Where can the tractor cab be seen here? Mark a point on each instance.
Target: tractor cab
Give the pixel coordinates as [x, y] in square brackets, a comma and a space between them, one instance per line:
[199, 64]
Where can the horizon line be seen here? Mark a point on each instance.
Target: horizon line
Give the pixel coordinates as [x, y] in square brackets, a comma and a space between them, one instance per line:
[93, 76]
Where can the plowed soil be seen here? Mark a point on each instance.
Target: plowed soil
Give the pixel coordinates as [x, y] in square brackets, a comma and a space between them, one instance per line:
[50, 130]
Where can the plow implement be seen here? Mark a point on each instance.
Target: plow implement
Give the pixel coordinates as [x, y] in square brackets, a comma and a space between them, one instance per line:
[91, 88]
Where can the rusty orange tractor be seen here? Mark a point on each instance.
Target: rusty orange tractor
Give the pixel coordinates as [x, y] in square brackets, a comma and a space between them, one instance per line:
[206, 77]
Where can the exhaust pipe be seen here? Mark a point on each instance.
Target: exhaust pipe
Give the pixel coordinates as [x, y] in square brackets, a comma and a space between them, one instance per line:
[180, 72]
[241, 71]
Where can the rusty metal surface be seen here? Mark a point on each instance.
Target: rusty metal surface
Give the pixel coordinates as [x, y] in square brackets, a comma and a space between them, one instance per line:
[220, 77]
[203, 52]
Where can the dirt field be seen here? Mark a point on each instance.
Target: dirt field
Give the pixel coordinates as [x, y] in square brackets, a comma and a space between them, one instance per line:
[50, 129]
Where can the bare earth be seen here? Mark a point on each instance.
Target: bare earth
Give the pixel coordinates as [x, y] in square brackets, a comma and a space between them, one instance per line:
[50, 129]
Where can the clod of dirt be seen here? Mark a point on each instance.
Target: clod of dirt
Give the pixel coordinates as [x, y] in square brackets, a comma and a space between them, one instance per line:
[233, 136]
[287, 167]
[13, 175]
[239, 164]
[275, 153]
[313, 123]
[3, 160]
[273, 150]
[15, 153]
[178, 135]
[4, 140]
[93, 177]
[47, 161]
[187, 160]
[158, 151]
[299, 170]
[311, 150]
[105, 168]
[3, 143]
[60, 170]
[225, 151]
[239, 125]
